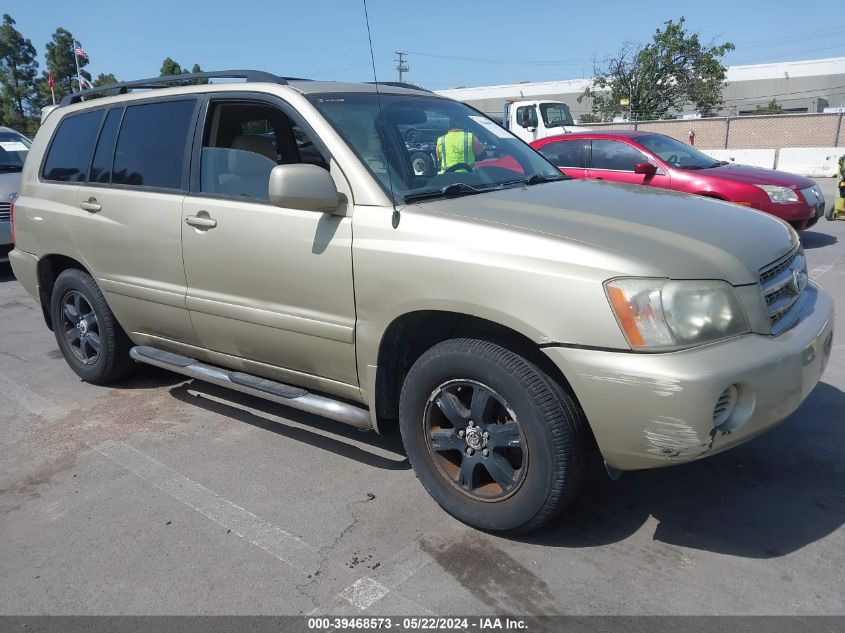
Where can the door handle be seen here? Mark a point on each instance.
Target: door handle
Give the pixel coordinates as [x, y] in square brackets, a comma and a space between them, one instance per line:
[90, 205]
[200, 222]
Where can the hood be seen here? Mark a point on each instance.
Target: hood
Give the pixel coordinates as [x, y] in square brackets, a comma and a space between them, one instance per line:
[663, 233]
[569, 129]
[757, 176]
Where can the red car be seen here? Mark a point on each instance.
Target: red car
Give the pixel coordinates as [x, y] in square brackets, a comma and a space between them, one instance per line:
[645, 158]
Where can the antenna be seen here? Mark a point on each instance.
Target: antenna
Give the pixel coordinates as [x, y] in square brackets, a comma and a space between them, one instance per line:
[395, 219]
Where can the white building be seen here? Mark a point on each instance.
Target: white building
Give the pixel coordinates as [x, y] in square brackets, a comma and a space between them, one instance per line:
[801, 86]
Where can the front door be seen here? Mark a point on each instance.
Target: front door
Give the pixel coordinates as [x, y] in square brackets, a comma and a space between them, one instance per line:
[268, 285]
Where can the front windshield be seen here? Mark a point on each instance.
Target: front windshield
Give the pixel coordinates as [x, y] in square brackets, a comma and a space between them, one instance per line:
[555, 114]
[426, 147]
[13, 150]
[676, 153]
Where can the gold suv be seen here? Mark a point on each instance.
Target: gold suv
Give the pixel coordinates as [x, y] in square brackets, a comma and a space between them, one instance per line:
[282, 238]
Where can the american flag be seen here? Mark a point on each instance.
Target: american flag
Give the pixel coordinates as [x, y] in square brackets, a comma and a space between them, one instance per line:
[79, 51]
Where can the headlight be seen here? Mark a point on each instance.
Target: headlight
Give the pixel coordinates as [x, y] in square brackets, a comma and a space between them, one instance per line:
[662, 315]
[779, 195]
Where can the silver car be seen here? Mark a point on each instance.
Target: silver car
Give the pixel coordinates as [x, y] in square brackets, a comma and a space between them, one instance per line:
[13, 150]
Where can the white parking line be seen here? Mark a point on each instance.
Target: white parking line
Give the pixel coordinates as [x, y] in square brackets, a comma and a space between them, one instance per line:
[818, 271]
[366, 591]
[286, 547]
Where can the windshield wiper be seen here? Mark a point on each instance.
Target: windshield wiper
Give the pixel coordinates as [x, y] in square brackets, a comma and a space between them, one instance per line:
[455, 189]
[534, 179]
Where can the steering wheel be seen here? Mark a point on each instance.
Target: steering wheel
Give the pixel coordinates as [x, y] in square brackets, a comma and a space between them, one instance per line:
[673, 160]
[456, 167]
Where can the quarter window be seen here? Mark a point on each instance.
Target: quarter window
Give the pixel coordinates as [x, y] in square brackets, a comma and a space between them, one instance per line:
[564, 153]
[70, 151]
[615, 155]
[150, 149]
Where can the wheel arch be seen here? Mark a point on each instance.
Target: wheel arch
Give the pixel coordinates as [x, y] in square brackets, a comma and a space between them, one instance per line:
[408, 336]
[48, 270]
[710, 194]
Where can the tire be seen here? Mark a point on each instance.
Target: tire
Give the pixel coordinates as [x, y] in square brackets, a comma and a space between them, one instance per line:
[89, 337]
[542, 471]
[830, 213]
[422, 164]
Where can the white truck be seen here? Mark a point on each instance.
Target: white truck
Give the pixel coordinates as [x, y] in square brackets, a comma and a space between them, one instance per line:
[530, 120]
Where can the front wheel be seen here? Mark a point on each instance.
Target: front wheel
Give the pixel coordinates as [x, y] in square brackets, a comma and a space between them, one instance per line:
[492, 438]
[89, 337]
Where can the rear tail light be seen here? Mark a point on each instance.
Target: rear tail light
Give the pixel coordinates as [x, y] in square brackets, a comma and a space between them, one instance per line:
[12, 215]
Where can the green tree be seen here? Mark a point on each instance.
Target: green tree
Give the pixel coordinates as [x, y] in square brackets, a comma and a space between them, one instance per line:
[18, 69]
[104, 79]
[171, 67]
[589, 118]
[773, 107]
[61, 62]
[647, 81]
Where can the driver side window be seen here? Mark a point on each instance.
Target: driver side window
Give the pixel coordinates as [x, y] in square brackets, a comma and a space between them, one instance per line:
[615, 155]
[243, 142]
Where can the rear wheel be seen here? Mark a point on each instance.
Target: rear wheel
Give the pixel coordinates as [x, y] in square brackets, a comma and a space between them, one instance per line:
[89, 337]
[829, 214]
[490, 436]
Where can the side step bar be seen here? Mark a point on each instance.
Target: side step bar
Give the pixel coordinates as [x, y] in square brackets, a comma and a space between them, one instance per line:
[255, 386]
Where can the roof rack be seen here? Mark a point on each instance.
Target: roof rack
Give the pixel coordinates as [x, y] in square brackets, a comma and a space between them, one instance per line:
[170, 80]
[399, 84]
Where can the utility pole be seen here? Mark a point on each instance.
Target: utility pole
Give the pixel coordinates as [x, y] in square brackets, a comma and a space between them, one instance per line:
[401, 66]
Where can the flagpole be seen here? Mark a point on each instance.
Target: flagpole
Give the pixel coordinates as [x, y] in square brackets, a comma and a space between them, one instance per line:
[53, 93]
[76, 59]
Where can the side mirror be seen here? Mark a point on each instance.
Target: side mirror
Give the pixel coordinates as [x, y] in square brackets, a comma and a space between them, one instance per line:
[646, 169]
[303, 186]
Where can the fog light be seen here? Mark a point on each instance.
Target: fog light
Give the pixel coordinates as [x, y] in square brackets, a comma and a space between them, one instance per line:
[725, 406]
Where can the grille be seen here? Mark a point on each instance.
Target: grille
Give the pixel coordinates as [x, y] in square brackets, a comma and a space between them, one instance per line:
[783, 282]
[725, 405]
[5, 212]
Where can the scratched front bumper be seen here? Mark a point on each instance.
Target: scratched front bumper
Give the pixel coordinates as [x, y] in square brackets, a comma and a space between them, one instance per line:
[650, 410]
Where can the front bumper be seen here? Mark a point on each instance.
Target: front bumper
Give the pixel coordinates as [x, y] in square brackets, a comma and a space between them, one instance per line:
[650, 410]
[800, 215]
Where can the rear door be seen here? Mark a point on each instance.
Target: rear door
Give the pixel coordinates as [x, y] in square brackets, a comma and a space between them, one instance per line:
[568, 155]
[267, 285]
[127, 225]
[615, 160]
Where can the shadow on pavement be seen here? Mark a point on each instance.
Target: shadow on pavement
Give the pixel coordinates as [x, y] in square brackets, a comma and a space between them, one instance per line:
[200, 398]
[814, 239]
[764, 499]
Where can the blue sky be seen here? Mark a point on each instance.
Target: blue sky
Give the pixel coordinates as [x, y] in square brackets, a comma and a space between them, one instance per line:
[449, 43]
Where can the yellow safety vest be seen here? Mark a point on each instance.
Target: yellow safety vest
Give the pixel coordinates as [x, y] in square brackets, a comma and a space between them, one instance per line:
[455, 147]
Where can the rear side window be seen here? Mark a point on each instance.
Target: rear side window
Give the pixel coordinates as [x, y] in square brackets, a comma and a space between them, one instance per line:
[151, 145]
[104, 155]
[564, 153]
[70, 151]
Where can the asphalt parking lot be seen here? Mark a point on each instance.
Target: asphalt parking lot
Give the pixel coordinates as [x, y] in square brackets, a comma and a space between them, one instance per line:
[166, 496]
